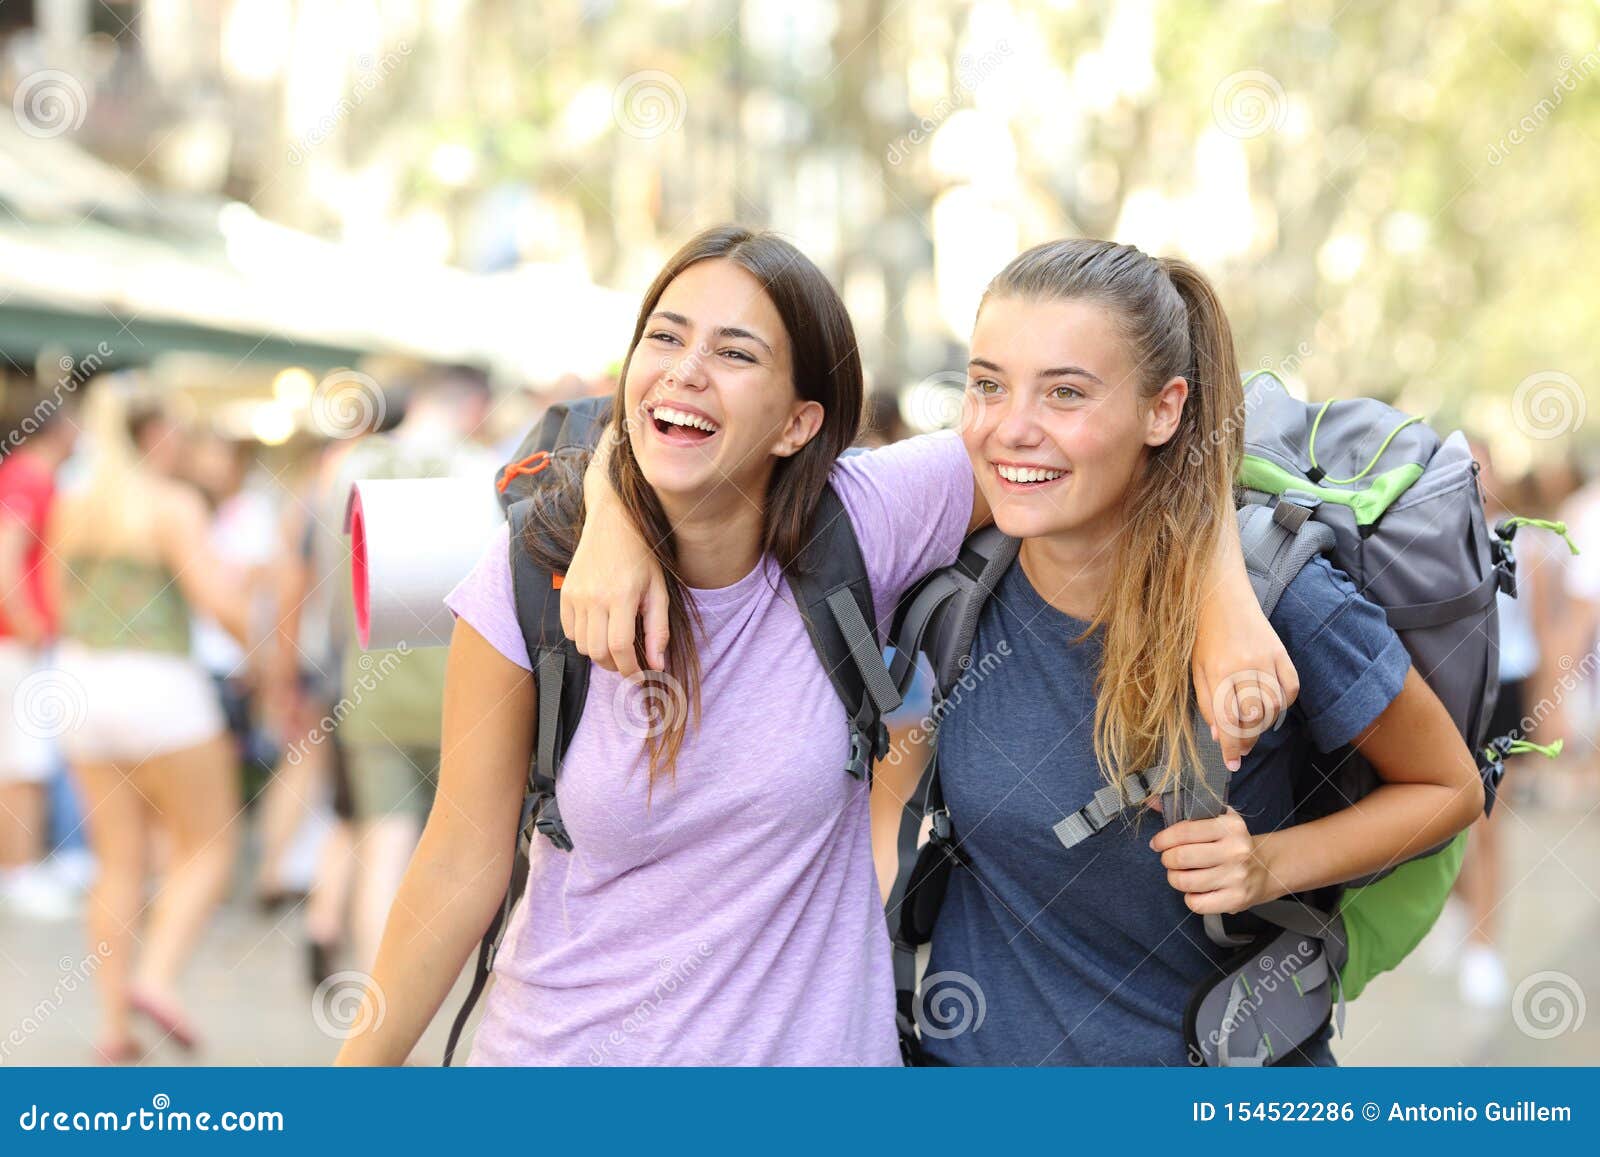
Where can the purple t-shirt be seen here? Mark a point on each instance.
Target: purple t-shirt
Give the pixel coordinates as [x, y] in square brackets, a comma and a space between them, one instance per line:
[733, 918]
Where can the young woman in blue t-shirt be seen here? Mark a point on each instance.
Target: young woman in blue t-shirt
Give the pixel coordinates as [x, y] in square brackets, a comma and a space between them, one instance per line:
[1109, 378]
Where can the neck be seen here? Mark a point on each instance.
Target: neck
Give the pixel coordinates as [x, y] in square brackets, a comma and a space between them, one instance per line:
[718, 537]
[1073, 570]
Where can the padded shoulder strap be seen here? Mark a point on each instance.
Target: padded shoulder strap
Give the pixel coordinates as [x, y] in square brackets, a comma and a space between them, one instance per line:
[565, 425]
[561, 676]
[831, 588]
[983, 561]
[1278, 541]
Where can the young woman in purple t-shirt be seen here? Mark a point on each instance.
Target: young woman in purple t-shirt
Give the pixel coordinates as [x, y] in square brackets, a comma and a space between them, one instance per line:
[720, 904]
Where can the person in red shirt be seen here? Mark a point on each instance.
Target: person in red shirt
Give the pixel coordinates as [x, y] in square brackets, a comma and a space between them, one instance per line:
[33, 444]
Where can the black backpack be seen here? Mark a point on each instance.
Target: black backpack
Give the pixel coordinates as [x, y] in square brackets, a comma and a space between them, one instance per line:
[831, 590]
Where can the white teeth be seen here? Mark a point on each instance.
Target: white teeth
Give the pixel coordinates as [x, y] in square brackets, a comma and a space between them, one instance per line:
[683, 418]
[1028, 474]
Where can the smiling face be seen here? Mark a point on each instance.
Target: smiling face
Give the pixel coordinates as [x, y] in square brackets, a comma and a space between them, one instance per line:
[1056, 424]
[710, 387]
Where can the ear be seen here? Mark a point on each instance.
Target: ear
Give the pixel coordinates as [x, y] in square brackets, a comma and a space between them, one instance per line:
[805, 419]
[1166, 408]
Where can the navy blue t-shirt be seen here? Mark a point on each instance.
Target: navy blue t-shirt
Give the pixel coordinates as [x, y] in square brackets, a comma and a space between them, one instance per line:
[1087, 956]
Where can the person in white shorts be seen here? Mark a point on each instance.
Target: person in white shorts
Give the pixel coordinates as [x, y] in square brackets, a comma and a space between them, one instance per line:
[143, 730]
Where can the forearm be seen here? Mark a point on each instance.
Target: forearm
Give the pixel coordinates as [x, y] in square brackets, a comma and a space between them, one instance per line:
[597, 478]
[446, 900]
[1385, 828]
[1227, 581]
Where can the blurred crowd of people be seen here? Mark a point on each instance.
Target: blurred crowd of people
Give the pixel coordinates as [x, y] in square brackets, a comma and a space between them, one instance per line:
[177, 652]
[177, 657]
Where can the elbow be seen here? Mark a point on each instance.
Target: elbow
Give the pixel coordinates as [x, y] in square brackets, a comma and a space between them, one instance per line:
[1471, 801]
[1467, 795]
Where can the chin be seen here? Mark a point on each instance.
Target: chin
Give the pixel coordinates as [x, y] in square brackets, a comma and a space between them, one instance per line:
[1027, 520]
[677, 479]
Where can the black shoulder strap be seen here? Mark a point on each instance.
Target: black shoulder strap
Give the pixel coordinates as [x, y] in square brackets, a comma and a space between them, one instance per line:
[938, 618]
[831, 588]
[561, 682]
[565, 425]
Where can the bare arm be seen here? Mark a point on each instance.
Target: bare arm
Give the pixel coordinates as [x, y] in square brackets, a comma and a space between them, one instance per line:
[14, 601]
[1244, 680]
[206, 582]
[1430, 791]
[462, 867]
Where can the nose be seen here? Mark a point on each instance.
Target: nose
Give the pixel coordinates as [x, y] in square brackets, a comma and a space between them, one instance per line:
[687, 368]
[1018, 427]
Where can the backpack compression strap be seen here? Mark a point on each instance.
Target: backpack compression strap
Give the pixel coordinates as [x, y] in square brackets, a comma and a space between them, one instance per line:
[834, 596]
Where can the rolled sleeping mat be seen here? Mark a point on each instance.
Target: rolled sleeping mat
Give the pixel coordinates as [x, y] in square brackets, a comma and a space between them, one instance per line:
[411, 541]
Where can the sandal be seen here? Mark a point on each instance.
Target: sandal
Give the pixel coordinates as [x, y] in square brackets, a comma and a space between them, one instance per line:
[172, 1023]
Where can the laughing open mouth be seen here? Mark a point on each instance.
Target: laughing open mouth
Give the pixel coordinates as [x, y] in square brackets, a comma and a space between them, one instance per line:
[683, 425]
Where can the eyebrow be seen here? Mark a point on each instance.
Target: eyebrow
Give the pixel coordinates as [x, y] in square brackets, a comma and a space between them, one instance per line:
[1054, 372]
[721, 331]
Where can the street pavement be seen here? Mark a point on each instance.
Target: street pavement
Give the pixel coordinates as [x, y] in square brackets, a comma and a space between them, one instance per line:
[248, 991]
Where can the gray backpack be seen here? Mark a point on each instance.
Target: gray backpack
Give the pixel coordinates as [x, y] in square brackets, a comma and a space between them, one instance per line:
[1399, 511]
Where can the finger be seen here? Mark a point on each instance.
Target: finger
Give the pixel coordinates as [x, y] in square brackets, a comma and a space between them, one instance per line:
[1234, 736]
[1189, 832]
[1205, 697]
[1218, 903]
[569, 612]
[1288, 680]
[599, 640]
[580, 628]
[1189, 857]
[656, 629]
[619, 643]
[1205, 880]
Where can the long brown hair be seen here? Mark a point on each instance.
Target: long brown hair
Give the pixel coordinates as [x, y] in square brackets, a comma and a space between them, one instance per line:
[827, 370]
[1176, 504]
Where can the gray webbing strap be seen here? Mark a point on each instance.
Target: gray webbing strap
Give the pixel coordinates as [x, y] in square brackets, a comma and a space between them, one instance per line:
[1301, 918]
[1237, 995]
[1420, 616]
[913, 626]
[552, 664]
[864, 650]
[1108, 803]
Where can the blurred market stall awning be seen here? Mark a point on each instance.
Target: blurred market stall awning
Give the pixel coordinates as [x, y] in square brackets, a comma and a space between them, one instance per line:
[91, 262]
